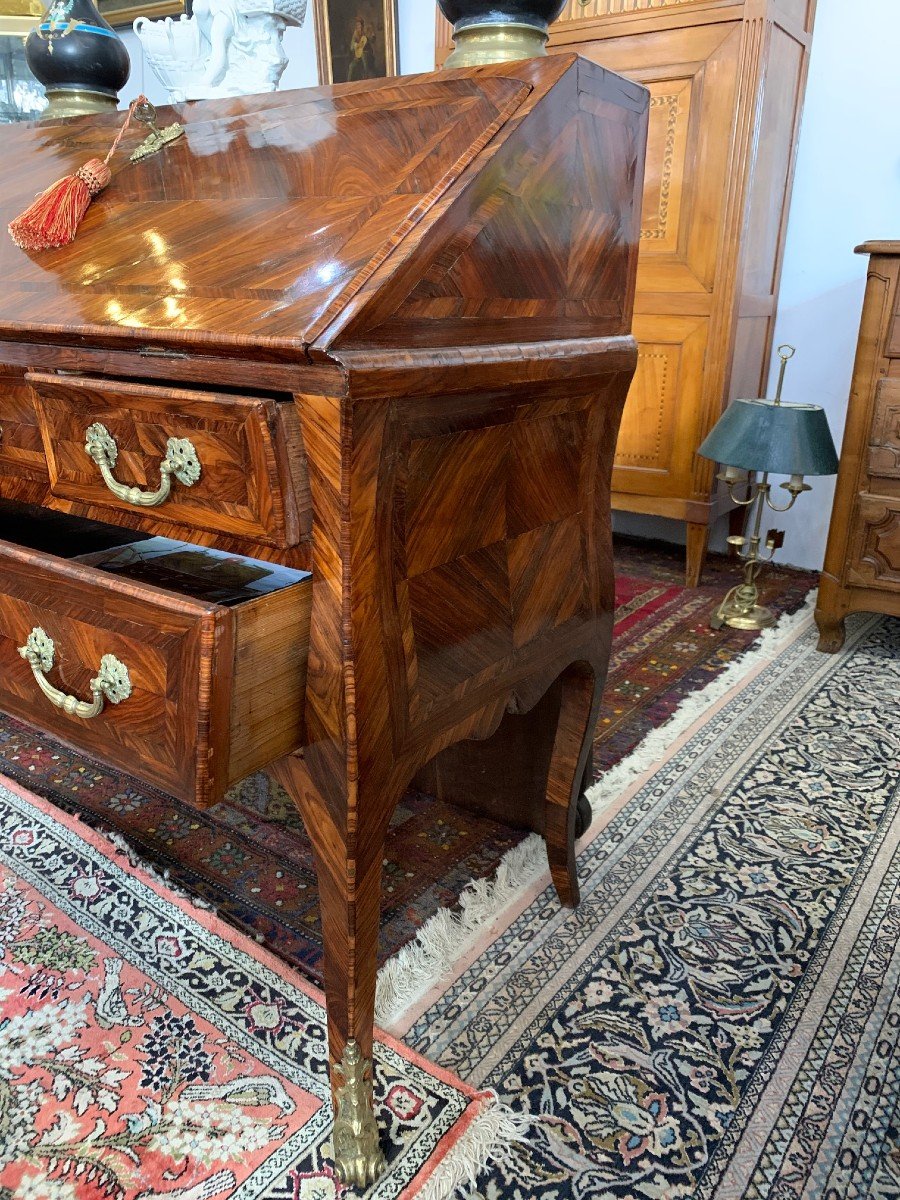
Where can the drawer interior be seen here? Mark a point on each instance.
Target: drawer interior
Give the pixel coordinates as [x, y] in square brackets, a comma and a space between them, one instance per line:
[55, 533]
[215, 576]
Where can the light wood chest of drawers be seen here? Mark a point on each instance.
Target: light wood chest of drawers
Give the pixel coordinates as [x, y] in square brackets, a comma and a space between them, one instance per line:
[862, 560]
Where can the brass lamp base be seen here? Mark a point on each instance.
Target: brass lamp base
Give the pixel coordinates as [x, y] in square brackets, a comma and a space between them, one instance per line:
[739, 610]
[758, 617]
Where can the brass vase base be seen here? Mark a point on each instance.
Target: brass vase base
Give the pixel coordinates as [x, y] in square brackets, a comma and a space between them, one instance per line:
[358, 1158]
[71, 103]
[500, 41]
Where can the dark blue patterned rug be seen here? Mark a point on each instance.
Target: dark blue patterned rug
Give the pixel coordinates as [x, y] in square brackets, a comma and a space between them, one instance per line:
[720, 1019]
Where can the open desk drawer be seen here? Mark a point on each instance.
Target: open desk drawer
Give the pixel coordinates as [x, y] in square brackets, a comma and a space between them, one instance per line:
[201, 460]
[192, 695]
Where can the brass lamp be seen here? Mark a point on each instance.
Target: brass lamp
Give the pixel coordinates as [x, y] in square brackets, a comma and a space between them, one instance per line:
[765, 437]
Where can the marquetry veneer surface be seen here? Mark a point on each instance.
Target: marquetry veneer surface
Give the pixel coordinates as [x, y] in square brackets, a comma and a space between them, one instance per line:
[245, 486]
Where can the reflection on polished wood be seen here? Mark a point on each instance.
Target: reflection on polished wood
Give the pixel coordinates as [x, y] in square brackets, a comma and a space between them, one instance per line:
[393, 318]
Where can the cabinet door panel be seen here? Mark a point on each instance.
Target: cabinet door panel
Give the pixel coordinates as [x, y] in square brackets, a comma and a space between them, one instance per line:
[654, 452]
[578, 10]
[884, 440]
[692, 76]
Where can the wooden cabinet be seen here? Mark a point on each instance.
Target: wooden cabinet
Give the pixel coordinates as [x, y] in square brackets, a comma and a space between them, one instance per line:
[726, 81]
[862, 560]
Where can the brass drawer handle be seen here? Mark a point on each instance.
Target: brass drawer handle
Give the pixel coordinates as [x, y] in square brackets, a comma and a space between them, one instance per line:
[181, 461]
[113, 683]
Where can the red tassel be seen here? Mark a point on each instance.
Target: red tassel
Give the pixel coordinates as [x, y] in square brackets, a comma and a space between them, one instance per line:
[54, 217]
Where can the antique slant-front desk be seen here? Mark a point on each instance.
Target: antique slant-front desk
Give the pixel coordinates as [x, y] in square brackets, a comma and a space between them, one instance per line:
[379, 333]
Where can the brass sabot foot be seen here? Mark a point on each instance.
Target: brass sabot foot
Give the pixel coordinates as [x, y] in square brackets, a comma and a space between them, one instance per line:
[358, 1159]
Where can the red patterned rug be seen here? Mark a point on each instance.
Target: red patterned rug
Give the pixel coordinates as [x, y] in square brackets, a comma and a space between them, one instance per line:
[250, 858]
[148, 1051]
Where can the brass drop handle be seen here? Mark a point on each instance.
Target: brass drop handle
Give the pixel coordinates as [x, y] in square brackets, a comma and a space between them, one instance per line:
[113, 683]
[181, 461]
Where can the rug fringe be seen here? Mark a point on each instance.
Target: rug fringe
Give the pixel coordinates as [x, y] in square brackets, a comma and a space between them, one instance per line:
[121, 845]
[486, 1139]
[658, 741]
[443, 940]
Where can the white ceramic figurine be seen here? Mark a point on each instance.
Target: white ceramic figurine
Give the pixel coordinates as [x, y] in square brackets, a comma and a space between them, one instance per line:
[226, 48]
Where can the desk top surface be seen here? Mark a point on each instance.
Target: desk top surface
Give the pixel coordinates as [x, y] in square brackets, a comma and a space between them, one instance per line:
[270, 218]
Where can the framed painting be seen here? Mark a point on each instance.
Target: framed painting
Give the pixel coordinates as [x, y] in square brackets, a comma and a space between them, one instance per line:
[123, 12]
[356, 39]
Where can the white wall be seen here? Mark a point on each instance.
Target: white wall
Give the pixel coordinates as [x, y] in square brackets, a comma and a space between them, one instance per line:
[847, 190]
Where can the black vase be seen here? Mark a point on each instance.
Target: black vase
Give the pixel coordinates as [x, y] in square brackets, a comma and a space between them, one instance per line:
[79, 58]
[501, 31]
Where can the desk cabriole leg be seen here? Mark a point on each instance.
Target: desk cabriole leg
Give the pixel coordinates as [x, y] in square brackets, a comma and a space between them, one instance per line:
[348, 868]
[571, 750]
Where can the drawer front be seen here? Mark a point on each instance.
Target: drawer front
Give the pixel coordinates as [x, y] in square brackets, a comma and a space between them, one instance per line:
[21, 445]
[884, 442]
[875, 545]
[176, 652]
[198, 460]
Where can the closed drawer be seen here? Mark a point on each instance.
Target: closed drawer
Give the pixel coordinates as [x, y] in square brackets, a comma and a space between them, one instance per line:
[884, 441]
[195, 694]
[193, 459]
[875, 544]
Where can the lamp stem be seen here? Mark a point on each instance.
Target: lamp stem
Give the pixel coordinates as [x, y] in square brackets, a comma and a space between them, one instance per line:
[740, 608]
[785, 359]
[762, 490]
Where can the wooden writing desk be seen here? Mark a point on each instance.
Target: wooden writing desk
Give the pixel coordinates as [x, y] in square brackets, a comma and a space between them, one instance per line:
[379, 332]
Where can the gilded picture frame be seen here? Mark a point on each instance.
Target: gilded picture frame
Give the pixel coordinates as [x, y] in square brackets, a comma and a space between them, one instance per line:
[19, 17]
[124, 12]
[356, 39]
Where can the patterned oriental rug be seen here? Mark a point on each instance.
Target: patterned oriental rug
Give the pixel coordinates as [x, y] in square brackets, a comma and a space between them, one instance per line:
[148, 1051]
[720, 1019]
[249, 856]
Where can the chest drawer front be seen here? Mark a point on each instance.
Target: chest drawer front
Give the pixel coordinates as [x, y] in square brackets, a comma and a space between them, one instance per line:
[875, 544]
[171, 647]
[21, 445]
[198, 460]
[884, 442]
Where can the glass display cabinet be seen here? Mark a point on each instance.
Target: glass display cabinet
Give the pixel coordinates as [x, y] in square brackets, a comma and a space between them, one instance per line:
[21, 96]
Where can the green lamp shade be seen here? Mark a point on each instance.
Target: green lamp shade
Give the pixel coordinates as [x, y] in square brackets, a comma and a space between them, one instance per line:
[784, 439]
